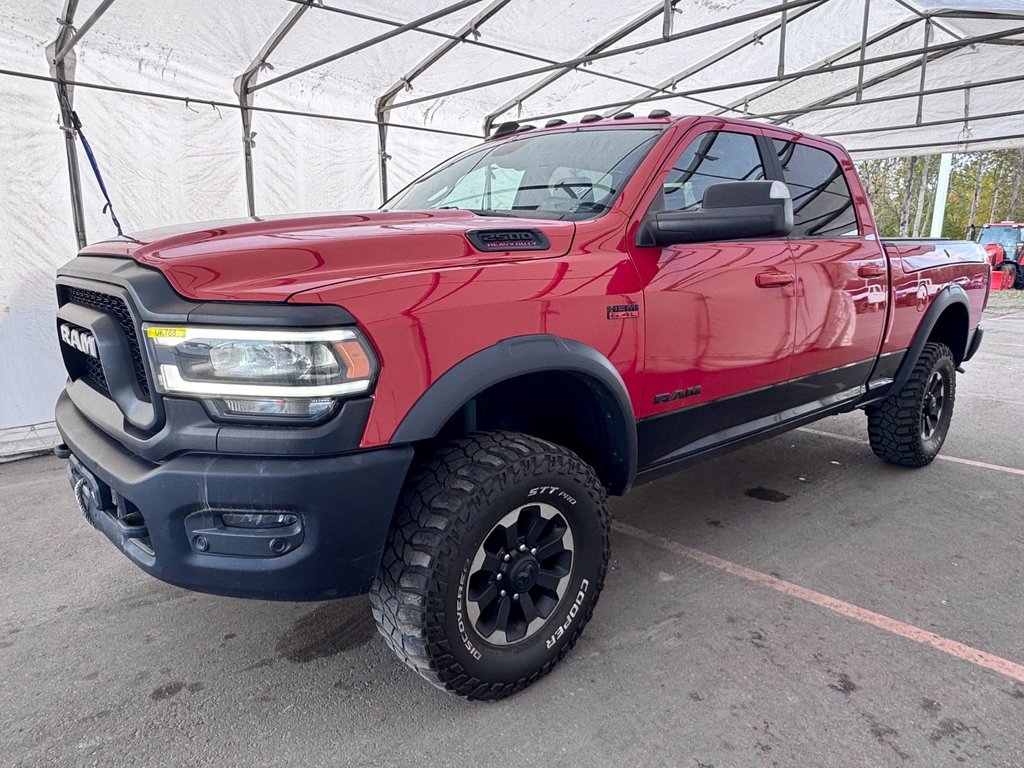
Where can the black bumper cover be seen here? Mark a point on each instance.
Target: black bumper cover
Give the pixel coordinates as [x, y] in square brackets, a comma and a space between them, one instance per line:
[345, 503]
[975, 343]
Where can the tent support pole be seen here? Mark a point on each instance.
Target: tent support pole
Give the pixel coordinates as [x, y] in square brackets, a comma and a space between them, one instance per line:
[243, 89]
[828, 102]
[714, 58]
[941, 192]
[571, 64]
[471, 27]
[362, 46]
[863, 48]
[966, 120]
[782, 39]
[792, 77]
[59, 70]
[882, 77]
[619, 34]
[65, 49]
[924, 70]
[821, 63]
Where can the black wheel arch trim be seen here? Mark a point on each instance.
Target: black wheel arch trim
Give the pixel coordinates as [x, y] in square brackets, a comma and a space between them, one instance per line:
[523, 355]
[944, 299]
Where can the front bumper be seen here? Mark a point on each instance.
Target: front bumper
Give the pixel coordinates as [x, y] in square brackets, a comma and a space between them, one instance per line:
[150, 512]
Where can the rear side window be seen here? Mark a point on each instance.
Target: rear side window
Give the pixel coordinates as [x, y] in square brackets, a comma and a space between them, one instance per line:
[711, 158]
[822, 206]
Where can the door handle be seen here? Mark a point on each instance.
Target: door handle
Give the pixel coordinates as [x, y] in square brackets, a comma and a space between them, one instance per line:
[773, 279]
[871, 270]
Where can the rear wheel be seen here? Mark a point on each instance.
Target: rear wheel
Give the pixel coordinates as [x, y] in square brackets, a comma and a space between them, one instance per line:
[909, 427]
[497, 558]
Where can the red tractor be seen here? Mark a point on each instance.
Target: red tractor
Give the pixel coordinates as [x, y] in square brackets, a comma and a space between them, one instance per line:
[1004, 244]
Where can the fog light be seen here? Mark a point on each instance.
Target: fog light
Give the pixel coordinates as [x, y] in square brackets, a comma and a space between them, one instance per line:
[254, 520]
[288, 407]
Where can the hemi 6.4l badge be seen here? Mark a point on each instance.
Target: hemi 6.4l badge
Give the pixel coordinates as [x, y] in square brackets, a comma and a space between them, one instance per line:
[83, 341]
[623, 311]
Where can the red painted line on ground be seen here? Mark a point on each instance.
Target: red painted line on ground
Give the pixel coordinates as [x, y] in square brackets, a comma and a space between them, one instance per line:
[940, 457]
[952, 647]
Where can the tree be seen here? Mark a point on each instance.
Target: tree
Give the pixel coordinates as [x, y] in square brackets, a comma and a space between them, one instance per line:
[983, 186]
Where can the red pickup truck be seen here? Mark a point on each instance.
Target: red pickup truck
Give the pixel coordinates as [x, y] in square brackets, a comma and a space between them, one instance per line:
[431, 401]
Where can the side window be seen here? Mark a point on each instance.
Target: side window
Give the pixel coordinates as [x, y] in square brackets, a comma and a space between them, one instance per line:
[822, 206]
[711, 158]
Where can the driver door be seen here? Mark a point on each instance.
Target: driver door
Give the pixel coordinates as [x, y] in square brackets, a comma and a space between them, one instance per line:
[719, 316]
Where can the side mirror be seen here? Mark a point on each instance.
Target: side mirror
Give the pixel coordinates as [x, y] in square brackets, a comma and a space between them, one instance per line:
[733, 210]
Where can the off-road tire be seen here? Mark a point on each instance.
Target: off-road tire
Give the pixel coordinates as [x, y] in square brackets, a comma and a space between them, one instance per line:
[452, 500]
[895, 424]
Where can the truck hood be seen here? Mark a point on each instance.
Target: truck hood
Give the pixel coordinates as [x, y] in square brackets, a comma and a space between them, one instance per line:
[272, 259]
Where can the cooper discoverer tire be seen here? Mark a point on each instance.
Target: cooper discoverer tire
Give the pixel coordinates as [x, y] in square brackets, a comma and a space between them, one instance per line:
[909, 427]
[496, 559]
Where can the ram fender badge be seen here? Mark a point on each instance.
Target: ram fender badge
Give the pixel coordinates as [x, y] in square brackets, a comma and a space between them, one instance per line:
[679, 394]
[623, 311]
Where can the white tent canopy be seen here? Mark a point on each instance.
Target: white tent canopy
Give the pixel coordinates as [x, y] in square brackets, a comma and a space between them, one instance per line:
[198, 110]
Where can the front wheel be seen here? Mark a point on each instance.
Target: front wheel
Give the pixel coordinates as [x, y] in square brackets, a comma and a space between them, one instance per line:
[496, 560]
[1009, 274]
[909, 427]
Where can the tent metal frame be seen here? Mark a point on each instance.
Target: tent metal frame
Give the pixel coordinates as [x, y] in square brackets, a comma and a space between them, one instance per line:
[798, 75]
[405, 83]
[663, 8]
[61, 56]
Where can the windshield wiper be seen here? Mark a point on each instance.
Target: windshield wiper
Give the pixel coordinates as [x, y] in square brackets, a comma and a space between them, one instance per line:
[491, 212]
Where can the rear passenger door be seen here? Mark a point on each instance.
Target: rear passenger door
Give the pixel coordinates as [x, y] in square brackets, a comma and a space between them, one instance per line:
[841, 291]
[718, 334]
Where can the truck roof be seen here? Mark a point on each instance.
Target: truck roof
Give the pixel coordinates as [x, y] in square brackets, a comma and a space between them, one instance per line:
[658, 117]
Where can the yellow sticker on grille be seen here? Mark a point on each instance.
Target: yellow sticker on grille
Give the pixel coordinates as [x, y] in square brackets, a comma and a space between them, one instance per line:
[165, 333]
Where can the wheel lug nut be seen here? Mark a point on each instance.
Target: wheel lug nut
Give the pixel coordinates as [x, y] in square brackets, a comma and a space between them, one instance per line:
[503, 593]
[498, 577]
[533, 551]
[522, 547]
[515, 596]
[506, 558]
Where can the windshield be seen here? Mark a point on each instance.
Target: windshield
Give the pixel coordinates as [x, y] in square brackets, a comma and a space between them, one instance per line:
[569, 175]
[1008, 237]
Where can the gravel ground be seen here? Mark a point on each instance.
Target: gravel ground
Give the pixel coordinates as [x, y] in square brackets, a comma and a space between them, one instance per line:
[696, 655]
[1005, 302]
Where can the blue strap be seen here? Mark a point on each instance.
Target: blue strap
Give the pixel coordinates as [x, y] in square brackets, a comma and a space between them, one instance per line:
[77, 125]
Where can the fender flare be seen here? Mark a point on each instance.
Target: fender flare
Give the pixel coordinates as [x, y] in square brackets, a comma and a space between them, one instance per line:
[521, 355]
[944, 299]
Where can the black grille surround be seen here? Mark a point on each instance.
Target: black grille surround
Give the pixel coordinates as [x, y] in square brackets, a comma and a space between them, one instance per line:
[117, 309]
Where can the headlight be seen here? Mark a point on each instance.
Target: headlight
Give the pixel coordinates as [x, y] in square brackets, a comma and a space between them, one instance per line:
[263, 373]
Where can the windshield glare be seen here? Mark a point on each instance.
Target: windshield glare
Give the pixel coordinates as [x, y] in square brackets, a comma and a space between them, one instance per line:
[1008, 237]
[569, 175]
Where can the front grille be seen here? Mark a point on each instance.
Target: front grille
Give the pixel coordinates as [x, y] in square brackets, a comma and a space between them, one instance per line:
[116, 308]
[94, 374]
